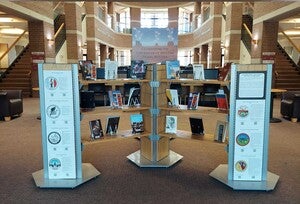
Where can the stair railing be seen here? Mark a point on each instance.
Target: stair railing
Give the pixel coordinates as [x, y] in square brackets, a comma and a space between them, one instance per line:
[12, 52]
[290, 48]
[247, 37]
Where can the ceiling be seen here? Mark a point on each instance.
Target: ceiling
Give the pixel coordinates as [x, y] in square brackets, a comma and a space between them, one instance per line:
[11, 26]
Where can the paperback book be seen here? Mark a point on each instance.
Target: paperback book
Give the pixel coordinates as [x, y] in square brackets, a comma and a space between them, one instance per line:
[96, 129]
[134, 97]
[171, 124]
[112, 125]
[172, 96]
[193, 101]
[221, 131]
[111, 69]
[86, 69]
[222, 101]
[138, 69]
[115, 98]
[173, 69]
[198, 71]
[137, 123]
[196, 125]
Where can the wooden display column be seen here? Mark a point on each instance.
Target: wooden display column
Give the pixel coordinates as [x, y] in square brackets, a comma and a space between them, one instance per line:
[154, 150]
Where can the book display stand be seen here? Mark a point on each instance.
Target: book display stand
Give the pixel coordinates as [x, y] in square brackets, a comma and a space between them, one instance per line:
[250, 92]
[154, 150]
[60, 122]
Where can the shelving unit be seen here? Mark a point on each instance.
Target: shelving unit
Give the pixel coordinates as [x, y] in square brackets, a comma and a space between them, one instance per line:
[154, 150]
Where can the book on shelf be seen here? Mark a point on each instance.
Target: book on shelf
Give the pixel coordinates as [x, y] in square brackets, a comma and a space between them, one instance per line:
[138, 69]
[171, 124]
[134, 97]
[198, 71]
[112, 125]
[196, 125]
[86, 69]
[137, 123]
[221, 131]
[222, 102]
[96, 129]
[111, 69]
[172, 97]
[115, 98]
[172, 69]
[193, 101]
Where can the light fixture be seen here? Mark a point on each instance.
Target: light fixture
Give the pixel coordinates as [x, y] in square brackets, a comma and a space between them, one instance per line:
[255, 42]
[50, 41]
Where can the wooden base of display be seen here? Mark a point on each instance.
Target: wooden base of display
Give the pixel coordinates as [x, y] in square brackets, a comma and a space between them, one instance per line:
[88, 172]
[141, 161]
[221, 174]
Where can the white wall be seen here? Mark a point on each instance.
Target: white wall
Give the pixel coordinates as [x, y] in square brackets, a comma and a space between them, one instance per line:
[245, 57]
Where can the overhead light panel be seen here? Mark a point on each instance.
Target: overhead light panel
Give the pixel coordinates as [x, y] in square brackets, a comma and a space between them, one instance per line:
[11, 31]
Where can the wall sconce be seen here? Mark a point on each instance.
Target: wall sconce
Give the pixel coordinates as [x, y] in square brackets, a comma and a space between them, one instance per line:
[255, 42]
[51, 42]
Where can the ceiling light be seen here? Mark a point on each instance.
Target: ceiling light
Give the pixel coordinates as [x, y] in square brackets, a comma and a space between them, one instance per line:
[6, 20]
[11, 31]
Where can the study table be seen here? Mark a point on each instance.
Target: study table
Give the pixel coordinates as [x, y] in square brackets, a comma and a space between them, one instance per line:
[273, 92]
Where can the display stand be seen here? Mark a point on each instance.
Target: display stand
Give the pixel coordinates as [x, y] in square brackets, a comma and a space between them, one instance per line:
[60, 121]
[250, 92]
[154, 151]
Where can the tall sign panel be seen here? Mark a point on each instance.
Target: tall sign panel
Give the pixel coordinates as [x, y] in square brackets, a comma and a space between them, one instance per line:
[60, 121]
[250, 91]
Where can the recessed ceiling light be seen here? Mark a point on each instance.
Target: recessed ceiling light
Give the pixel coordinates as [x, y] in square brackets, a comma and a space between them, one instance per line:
[6, 20]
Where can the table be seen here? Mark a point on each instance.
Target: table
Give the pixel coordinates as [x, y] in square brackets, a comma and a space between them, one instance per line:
[273, 92]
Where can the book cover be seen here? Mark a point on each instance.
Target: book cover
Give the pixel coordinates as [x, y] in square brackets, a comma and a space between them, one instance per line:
[193, 101]
[198, 71]
[172, 97]
[137, 123]
[86, 68]
[134, 97]
[171, 124]
[138, 69]
[115, 98]
[96, 129]
[111, 69]
[222, 101]
[221, 131]
[112, 125]
[173, 68]
[196, 125]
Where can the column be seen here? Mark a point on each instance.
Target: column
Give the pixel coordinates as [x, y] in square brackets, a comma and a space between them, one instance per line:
[203, 55]
[103, 54]
[135, 16]
[173, 17]
[197, 12]
[215, 52]
[92, 44]
[73, 32]
[234, 13]
[39, 33]
[196, 57]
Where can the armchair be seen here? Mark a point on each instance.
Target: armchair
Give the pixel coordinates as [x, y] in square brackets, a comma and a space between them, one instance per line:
[11, 103]
[290, 105]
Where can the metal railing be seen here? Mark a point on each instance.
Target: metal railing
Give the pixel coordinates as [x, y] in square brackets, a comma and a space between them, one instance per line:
[290, 48]
[13, 51]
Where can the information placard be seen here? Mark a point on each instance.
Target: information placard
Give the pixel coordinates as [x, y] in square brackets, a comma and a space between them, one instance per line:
[59, 124]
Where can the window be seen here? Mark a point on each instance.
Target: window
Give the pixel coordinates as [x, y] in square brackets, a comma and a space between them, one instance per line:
[154, 18]
[185, 57]
[184, 21]
[124, 23]
[124, 57]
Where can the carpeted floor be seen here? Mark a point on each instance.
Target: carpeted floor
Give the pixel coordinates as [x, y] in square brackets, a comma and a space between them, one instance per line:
[123, 182]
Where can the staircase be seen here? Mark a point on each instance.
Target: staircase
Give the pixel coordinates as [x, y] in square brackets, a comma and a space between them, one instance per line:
[18, 75]
[286, 72]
